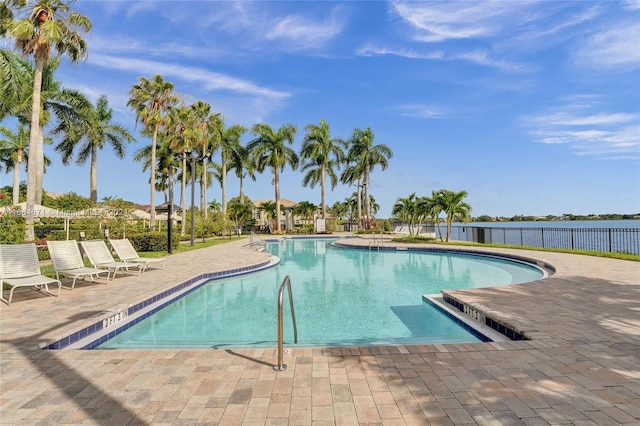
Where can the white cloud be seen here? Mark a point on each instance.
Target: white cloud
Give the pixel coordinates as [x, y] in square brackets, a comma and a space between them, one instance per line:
[440, 21]
[420, 111]
[299, 32]
[209, 80]
[612, 47]
[605, 135]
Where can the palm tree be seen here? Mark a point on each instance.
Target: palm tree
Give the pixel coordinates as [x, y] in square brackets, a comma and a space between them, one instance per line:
[351, 175]
[305, 209]
[270, 149]
[92, 133]
[47, 25]
[269, 209]
[366, 156]
[206, 137]
[453, 205]
[242, 163]
[16, 83]
[406, 210]
[12, 154]
[323, 155]
[180, 140]
[229, 145]
[151, 99]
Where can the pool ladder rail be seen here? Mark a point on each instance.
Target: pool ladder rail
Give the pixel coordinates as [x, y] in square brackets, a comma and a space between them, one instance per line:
[286, 283]
[376, 240]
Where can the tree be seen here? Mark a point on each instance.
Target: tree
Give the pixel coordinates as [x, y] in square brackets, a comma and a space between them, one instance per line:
[229, 146]
[151, 99]
[243, 164]
[49, 24]
[305, 209]
[366, 156]
[240, 213]
[179, 139]
[94, 130]
[452, 204]
[323, 154]
[13, 148]
[16, 83]
[269, 209]
[270, 150]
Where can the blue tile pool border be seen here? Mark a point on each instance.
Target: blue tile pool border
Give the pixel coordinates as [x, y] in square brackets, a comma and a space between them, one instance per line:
[170, 295]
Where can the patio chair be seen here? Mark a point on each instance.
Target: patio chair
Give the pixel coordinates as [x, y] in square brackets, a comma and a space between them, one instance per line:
[67, 260]
[127, 253]
[20, 267]
[100, 257]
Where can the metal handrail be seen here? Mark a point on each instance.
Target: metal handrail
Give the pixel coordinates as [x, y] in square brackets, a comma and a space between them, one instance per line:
[285, 283]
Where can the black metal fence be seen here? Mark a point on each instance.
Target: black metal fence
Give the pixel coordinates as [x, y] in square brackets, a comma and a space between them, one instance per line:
[620, 240]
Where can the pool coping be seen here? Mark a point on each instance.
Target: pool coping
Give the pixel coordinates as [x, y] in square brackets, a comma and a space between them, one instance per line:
[121, 317]
[106, 327]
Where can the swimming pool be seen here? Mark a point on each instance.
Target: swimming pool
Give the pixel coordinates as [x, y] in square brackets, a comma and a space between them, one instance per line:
[341, 297]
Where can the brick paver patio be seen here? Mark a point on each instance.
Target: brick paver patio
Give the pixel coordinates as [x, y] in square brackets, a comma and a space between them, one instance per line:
[581, 367]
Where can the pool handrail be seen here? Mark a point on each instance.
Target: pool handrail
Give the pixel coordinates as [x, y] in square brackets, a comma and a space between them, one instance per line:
[285, 283]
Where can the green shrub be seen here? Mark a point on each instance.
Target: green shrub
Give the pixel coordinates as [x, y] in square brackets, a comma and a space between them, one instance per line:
[386, 225]
[153, 241]
[13, 229]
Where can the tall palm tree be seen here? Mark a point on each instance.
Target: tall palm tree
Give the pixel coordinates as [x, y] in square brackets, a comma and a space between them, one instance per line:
[180, 140]
[91, 133]
[323, 154]
[452, 204]
[352, 175]
[366, 155]
[41, 26]
[151, 98]
[206, 137]
[229, 146]
[270, 149]
[242, 163]
[13, 147]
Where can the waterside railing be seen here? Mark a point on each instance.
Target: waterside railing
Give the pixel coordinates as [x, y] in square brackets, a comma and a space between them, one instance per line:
[612, 240]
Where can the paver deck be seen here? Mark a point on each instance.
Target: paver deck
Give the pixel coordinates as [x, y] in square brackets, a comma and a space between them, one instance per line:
[582, 365]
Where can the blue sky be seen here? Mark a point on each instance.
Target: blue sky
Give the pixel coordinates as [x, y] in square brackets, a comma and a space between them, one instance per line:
[532, 107]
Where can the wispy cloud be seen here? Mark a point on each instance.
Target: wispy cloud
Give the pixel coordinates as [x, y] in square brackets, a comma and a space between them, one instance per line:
[612, 47]
[440, 21]
[478, 57]
[300, 32]
[377, 50]
[420, 111]
[607, 135]
[209, 80]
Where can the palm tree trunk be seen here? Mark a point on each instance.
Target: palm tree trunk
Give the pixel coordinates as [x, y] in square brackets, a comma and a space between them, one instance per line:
[203, 186]
[224, 186]
[183, 198]
[359, 205]
[34, 149]
[152, 181]
[16, 178]
[276, 183]
[322, 192]
[93, 174]
[241, 191]
[367, 201]
[40, 171]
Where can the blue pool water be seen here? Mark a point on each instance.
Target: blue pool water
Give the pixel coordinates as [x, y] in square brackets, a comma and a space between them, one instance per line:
[341, 297]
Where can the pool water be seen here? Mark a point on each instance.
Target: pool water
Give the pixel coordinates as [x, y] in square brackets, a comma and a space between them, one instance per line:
[341, 297]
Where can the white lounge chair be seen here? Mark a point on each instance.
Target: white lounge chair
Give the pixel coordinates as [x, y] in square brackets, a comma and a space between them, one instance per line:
[67, 260]
[100, 257]
[127, 253]
[20, 267]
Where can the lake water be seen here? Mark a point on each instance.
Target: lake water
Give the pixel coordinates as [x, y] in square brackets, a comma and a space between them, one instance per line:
[599, 235]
